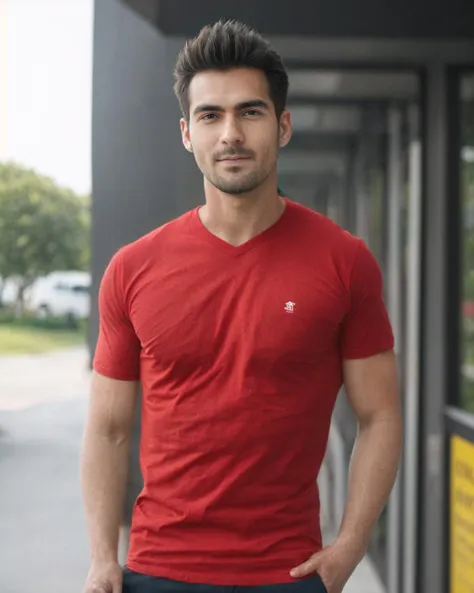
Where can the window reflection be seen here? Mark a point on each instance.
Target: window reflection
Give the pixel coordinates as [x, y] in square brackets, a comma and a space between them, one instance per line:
[467, 197]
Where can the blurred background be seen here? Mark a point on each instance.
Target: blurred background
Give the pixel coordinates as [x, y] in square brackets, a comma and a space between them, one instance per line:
[382, 100]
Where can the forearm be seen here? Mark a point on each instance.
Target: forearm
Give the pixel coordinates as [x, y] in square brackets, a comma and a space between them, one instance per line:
[104, 473]
[373, 470]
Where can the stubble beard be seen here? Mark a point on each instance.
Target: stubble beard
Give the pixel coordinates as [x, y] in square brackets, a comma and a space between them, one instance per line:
[240, 186]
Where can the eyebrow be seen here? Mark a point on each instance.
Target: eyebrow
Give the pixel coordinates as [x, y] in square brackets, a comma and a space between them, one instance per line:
[243, 105]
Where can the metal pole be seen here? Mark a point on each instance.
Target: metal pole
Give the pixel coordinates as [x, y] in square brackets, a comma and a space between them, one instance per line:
[394, 305]
[360, 193]
[412, 359]
[338, 458]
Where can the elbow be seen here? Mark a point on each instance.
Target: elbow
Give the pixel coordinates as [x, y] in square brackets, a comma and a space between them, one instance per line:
[116, 435]
[386, 420]
[111, 433]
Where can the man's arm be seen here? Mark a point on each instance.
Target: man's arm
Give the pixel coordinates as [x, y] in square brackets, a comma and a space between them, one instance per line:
[372, 389]
[104, 463]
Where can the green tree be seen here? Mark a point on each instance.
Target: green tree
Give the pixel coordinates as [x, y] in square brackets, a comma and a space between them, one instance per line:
[43, 227]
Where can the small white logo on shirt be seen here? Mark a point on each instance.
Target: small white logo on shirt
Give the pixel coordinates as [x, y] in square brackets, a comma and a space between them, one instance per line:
[290, 307]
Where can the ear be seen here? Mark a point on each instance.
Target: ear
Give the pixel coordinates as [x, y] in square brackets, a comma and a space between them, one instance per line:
[285, 129]
[183, 124]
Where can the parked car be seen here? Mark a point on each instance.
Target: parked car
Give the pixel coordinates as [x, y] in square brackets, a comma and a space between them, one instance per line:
[61, 294]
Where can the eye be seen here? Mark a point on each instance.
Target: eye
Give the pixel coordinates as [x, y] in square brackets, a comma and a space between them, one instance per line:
[208, 116]
[252, 112]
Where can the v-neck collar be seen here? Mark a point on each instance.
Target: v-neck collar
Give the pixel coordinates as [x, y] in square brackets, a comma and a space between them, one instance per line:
[236, 250]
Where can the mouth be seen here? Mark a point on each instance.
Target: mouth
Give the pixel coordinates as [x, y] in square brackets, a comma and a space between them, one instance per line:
[233, 159]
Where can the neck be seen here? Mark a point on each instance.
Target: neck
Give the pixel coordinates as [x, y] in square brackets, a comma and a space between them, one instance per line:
[237, 219]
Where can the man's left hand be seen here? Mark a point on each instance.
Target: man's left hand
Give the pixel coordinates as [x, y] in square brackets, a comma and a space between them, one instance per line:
[334, 564]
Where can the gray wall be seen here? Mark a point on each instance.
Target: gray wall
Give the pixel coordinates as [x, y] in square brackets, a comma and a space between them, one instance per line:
[141, 174]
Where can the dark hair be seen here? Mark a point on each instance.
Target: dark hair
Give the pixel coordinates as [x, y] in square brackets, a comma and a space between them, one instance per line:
[230, 44]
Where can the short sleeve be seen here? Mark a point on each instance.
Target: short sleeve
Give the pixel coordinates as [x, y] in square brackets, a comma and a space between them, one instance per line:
[117, 353]
[366, 329]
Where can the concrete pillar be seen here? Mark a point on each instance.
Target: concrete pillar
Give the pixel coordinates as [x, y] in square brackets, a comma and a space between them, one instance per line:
[434, 388]
[142, 176]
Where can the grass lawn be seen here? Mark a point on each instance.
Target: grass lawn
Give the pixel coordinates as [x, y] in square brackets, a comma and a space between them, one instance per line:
[23, 338]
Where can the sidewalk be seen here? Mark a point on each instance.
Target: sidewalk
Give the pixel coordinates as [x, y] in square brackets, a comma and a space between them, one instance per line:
[26, 380]
[43, 543]
[365, 579]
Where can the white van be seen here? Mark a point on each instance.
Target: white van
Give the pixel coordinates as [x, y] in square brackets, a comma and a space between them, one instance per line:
[61, 294]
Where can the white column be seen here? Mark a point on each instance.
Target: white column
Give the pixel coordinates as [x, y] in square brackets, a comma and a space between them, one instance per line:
[412, 358]
[394, 269]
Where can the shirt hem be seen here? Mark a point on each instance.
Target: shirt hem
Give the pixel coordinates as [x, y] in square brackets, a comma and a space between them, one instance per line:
[368, 352]
[230, 579]
[112, 374]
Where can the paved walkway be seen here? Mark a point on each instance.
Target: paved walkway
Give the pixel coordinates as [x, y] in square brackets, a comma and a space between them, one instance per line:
[26, 380]
[43, 542]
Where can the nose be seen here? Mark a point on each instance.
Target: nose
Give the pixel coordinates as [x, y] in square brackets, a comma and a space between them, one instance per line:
[232, 132]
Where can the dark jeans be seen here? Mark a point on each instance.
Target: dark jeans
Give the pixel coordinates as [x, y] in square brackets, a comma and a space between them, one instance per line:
[134, 582]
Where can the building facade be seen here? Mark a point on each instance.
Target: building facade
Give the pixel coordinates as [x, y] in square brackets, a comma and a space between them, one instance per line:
[382, 95]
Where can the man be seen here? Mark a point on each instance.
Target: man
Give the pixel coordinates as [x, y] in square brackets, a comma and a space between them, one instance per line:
[241, 319]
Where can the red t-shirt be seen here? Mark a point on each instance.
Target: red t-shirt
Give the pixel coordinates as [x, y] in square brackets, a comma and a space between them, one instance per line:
[239, 353]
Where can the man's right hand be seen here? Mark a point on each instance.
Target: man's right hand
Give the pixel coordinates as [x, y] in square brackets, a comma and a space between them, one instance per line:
[104, 577]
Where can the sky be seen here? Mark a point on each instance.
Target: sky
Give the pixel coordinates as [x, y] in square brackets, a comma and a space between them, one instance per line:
[46, 87]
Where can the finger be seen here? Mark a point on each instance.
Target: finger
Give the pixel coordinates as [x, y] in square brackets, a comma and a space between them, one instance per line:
[306, 568]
